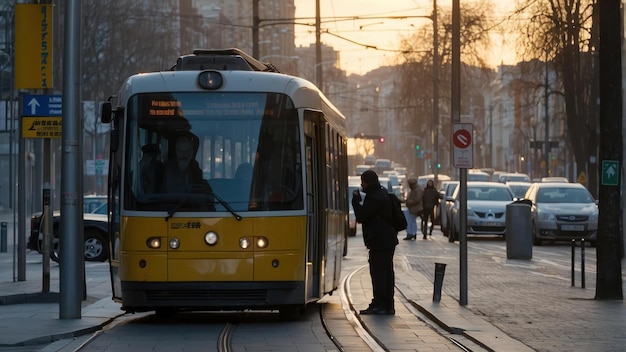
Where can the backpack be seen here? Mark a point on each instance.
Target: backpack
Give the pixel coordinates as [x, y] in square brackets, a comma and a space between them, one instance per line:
[399, 220]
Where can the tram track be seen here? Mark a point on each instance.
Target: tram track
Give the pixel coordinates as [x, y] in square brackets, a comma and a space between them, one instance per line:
[337, 318]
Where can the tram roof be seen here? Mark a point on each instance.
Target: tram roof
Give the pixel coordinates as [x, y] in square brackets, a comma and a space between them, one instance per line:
[302, 92]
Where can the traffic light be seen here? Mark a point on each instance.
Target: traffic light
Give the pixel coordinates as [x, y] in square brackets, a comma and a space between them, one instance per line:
[417, 147]
[438, 165]
[381, 139]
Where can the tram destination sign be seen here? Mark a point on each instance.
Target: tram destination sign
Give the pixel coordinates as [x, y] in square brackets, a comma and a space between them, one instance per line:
[42, 105]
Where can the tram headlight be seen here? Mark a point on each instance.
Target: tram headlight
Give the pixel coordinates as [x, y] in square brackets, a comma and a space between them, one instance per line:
[261, 242]
[154, 242]
[174, 243]
[210, 238]
[244, 242]
[210, 80]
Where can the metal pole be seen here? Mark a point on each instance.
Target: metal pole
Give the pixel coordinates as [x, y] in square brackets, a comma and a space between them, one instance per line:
[318, 48]
[47, 236]
[72, 262]
[435, 117]
[255, 28]
[21, 205]
[456, 117]
[546, 142]
[3, 237]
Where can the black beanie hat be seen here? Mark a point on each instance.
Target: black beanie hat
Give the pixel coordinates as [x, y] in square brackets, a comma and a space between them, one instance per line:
[370, 177]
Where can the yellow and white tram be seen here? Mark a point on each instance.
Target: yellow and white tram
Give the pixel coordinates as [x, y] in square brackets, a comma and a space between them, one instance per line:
[254, 218]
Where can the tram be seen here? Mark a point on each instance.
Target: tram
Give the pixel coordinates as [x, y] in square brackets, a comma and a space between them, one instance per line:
[227, 188]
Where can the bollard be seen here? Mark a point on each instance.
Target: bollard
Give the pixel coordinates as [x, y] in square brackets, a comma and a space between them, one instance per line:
[440, 270]
[573, 260]
[3, 237]
[582, 263]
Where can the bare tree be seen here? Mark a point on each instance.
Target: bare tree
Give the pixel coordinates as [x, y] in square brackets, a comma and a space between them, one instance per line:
[416, 68]
[562, 33]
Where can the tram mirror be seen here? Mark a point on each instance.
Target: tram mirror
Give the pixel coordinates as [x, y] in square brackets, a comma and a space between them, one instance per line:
[106, 112]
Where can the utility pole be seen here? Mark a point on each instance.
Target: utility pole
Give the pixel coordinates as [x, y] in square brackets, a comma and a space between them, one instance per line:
[318, 47]
[608, 248]
[546, 141]
[435, 117]
[255, 28]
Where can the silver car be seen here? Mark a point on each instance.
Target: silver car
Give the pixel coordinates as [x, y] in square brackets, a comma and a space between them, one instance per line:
[486, 209]
[562, 211]
[446, 204]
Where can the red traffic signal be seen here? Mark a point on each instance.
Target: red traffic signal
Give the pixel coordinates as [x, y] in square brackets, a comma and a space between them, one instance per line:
[381, 139]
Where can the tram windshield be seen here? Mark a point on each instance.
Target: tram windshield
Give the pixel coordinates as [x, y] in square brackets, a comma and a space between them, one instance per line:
[208, 151]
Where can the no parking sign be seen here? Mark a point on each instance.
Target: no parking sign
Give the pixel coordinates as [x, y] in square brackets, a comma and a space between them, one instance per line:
[462, 141]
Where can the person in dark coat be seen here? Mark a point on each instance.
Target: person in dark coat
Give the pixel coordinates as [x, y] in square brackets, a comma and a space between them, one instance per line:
[430, 199]
[381, 239]
[182, 170]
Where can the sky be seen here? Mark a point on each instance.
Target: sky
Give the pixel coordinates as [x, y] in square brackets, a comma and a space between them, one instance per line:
[384, 34]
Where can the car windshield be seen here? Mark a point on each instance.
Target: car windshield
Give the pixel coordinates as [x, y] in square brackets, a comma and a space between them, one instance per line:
[488, 193]
[519, 190]
[564, 195]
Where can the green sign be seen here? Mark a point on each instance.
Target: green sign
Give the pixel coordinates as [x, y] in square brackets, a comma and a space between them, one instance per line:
[610, 172]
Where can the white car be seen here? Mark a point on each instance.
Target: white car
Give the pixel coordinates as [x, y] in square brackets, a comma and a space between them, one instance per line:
[486, 209]
[562, 211]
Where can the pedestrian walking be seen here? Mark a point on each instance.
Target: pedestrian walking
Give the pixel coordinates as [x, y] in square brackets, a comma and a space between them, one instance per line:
[414, 208]
[430, 199]
[381, 239]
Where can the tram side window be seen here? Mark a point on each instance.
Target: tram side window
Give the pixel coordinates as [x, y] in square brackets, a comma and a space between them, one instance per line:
[278, 177]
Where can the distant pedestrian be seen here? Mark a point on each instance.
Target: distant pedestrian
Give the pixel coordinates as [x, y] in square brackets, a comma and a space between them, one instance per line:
[430, 199]
[381, 239]
[414, 208]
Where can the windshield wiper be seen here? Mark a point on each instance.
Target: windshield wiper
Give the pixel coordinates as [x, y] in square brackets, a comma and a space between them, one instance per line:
[173, 211]
[227, 206]
[205, 190]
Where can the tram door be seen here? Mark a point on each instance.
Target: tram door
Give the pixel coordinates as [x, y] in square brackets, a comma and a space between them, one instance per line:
[314, 141]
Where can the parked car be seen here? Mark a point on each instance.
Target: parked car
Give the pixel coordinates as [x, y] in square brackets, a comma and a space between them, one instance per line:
[562, 211]
[554, 179]
[359, 169]
[508, 177]
[445, 205]
[95, 235]
[486, 209]
[477, 175]
[519, 188]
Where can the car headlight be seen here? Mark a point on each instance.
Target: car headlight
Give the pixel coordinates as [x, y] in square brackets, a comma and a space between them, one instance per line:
[544, 215]
[594, 216]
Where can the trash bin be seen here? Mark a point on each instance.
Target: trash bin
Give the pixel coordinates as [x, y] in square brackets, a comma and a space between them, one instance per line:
[519, 237]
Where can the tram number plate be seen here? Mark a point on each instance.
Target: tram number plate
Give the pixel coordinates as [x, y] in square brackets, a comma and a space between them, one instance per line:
[572, 227]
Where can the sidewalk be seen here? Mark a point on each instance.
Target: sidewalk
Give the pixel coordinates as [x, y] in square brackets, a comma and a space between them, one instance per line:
[29, 316]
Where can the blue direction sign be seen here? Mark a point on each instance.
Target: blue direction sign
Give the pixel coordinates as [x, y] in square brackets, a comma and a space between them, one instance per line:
[42, 105]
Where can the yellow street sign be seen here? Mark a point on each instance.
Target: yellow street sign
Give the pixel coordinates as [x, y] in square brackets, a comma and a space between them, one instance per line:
[33, 46]
[41, 127]
[582, 178]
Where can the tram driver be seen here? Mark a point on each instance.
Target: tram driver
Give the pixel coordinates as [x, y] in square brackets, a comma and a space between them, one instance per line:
[181, 168]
